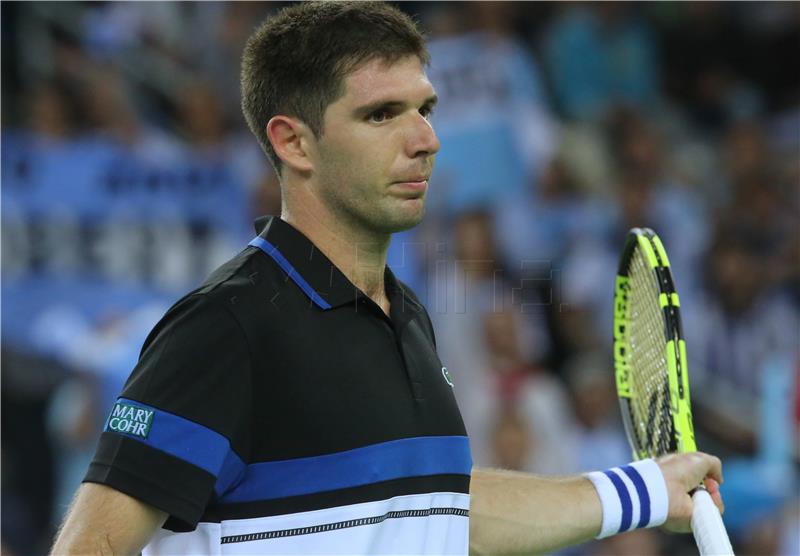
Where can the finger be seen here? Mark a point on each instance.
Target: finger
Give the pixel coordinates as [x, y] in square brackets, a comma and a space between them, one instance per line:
[712, 487]
[714, 469]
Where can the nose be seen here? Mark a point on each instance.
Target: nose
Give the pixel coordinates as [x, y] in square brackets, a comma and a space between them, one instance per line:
[422, 139]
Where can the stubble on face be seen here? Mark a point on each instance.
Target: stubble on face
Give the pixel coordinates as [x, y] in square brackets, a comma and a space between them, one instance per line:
[364, 167]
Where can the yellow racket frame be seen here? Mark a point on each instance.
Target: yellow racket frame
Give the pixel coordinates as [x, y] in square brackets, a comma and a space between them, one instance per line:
[655, 255]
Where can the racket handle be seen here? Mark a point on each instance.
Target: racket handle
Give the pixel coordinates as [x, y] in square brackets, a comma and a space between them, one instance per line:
[709, 531]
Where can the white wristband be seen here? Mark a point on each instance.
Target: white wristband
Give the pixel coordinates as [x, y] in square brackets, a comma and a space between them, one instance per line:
[633, 496]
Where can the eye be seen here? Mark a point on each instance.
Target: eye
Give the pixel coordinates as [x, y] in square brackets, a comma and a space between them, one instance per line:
[380, 116]
[426, 112]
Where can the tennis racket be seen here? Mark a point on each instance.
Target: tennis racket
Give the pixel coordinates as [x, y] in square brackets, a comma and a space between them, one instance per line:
[651, 374]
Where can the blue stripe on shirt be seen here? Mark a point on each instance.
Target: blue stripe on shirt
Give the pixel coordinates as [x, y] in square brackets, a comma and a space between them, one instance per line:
[396, 459]
[237, 482]
[192, 443]
[287, 267]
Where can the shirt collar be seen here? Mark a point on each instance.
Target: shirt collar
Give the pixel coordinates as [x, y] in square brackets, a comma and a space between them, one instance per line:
[314, 273]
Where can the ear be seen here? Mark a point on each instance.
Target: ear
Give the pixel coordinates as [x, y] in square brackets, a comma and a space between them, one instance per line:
[289, 138]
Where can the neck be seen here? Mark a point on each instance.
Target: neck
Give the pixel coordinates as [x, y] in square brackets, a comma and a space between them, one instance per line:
[360, 254]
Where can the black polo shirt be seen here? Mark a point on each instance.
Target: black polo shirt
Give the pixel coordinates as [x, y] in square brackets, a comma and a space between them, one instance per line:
[278, 404]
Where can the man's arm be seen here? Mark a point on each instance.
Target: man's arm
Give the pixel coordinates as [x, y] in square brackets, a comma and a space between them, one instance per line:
[514, 513]
[519, 513]
[105, 521]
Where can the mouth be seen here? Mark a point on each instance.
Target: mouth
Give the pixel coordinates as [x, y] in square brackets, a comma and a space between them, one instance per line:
[413, 188]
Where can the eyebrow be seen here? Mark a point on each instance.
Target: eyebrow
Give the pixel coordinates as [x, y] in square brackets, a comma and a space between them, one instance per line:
[367, 109]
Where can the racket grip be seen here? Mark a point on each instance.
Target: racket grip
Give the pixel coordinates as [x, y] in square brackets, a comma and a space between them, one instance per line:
[707, 526]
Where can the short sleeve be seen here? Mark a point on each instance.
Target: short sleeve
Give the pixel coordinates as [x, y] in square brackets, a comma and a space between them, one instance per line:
[178, 434]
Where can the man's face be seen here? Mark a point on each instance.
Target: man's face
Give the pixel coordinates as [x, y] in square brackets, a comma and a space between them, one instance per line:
[376, 153]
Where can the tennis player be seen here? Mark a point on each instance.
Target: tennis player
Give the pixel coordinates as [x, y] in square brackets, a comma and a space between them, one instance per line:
[295, 403]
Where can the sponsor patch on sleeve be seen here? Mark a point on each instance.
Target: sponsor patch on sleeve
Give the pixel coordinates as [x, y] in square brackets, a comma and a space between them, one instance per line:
[130, 419]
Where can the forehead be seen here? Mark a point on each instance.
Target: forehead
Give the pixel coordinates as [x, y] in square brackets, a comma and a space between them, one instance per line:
[378, 80]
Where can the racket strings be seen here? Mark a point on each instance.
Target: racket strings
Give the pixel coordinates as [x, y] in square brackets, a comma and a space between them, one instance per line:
[650, 409]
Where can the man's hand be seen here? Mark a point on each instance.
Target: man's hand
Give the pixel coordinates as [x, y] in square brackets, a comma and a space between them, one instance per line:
[683, 473]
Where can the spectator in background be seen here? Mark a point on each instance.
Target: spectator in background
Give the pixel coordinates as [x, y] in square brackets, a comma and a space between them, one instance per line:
[112, 30]
[584, 306]
[267, 196]
[479, 335]
[599, 438]
[525, 389]
[28, 470]
[511, 440]
[491, 114]
[200, 118]
[113, 118]
[208, 136]
[635, 543]
[228, 26]
[599, 56]
[52, 112]
[537, 231]
[542, 222]
[758, 210]
[469, 286]
[501, 335]
[745, 151]
[649, 195]
[742, 322]
[712, 60]
[762, 201]
[492, 349]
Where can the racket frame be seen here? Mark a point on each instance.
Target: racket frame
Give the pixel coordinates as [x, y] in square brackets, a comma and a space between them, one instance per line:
[707, 525]
[682, 439]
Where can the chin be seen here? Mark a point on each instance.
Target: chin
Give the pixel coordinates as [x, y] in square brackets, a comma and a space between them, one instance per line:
[390, 218]
[401, 222]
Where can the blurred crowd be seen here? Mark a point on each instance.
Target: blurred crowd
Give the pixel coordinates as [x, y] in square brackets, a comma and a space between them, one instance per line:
[128, 173]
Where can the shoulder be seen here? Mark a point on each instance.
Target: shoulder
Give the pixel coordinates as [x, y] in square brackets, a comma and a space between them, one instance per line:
[215, 308]
[241, 274]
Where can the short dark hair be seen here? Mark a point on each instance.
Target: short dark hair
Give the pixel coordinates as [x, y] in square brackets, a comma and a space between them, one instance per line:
[296, 61]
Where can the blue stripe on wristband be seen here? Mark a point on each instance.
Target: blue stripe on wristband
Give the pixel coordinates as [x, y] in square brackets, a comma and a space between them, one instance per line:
[609, 500]
[635, 492]
[624, 497]
[653, 479]
[644, 497]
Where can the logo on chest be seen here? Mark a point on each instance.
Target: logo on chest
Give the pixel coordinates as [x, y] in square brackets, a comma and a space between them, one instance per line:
[446, 375]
